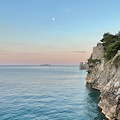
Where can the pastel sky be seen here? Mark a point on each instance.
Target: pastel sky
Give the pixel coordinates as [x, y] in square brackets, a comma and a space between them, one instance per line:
[29, 35]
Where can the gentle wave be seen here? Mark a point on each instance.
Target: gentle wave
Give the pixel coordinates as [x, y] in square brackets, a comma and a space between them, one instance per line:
[46, 93]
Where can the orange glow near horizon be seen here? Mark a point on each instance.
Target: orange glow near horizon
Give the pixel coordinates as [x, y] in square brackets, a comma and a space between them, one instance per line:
[53, 32]
[61, 58]
[36, 54]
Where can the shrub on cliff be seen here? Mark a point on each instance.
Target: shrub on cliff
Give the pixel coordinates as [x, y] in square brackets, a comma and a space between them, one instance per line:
[93, 61]
[111, 45]
[112, 50]
[117, 61]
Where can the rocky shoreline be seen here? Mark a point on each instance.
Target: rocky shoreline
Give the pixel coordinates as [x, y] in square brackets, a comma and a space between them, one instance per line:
[105, 77]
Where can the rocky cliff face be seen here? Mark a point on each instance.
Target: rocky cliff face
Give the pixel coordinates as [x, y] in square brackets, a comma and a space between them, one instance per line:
[105, 76]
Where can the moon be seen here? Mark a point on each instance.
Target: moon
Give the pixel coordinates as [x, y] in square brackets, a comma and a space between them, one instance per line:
[53, 19]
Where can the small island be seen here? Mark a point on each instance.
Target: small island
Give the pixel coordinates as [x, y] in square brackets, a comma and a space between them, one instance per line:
[45, 65]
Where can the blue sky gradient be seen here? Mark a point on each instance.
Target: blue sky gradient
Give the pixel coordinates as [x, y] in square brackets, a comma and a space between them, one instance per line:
[27, 28]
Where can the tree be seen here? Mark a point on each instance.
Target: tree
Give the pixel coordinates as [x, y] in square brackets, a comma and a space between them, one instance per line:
[111, 45]
[112, 50]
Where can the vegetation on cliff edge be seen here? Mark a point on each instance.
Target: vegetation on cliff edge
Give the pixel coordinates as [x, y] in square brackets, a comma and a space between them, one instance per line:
[111, 45]
[90, 60]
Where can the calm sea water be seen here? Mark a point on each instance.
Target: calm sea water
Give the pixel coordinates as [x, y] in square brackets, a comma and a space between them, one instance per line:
[46, 93]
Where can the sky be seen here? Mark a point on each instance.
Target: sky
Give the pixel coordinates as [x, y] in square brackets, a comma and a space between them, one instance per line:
[30, 36]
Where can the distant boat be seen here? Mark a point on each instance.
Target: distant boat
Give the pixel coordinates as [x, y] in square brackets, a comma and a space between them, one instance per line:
[45, 65]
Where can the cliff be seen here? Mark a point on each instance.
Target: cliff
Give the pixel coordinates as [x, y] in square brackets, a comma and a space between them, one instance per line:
[105, 76]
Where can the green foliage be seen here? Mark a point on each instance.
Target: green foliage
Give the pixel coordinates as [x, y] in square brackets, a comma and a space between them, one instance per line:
[93, 60]
[112, 50]
[111, 45]
[91, 66]
[117, 61]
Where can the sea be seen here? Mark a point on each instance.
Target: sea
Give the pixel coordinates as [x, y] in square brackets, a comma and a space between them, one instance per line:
[56, 92]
